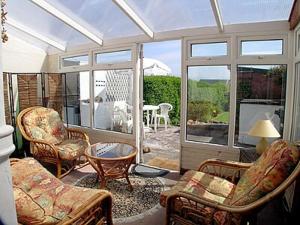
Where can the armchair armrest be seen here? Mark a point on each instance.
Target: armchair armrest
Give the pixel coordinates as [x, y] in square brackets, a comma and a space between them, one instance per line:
[226, 169]
[42, 149]
[198, 202]
[77, 134]
[97, 210]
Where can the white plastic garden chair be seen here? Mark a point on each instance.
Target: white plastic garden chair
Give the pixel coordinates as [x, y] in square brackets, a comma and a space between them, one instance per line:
[164, 109]
[122, 118]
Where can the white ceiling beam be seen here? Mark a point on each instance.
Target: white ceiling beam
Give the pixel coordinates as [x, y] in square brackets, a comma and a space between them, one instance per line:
[35, 34]
[134, 17]
[216, 9]
[67, 20]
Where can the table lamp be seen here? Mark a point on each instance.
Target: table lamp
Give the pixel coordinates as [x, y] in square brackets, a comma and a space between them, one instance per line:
[263, 129]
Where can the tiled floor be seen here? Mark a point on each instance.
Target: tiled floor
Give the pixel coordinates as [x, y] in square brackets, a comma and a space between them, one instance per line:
[157, 217]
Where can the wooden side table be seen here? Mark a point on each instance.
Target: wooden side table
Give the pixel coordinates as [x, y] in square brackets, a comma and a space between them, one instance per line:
[111, 160]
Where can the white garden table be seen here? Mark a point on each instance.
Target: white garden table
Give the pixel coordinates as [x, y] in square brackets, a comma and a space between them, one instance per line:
[149, 108]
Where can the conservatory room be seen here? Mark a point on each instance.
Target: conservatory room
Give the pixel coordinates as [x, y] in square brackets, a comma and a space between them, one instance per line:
[132, 112]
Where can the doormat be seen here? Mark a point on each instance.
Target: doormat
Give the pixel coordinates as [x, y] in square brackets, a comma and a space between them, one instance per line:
[147, 171]
[165, 163]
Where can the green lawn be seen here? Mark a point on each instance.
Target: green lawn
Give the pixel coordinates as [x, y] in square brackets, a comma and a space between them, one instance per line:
[223, 117]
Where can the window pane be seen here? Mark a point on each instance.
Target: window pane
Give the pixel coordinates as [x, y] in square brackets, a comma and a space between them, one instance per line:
[208, 104]
[267, 47]
[113, 57]
[75, 61]
[254, 11]
[77, 102]
[209, 49]
[260, 95]
[113, 100]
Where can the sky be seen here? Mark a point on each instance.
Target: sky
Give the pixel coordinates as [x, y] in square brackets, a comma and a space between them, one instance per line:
[168, 52]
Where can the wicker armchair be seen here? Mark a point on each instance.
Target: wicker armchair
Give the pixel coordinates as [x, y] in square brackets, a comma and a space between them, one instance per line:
[41, 198]
[50, 141]
[226, 192]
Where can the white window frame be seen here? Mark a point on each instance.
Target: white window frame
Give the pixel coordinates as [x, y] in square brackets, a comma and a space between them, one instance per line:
[200, 61]
[297, 43]
[296, 96]
[207, 59]
[109, 65]
[264, 58]
[93, 66]
[234, 58]
[284, 59]
[66, 69]
[116, 66]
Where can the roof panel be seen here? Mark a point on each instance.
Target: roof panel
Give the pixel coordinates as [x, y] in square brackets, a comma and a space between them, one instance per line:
[13, 32]
[102, 15]
[162, 15]
[241, 11]
[42, 22]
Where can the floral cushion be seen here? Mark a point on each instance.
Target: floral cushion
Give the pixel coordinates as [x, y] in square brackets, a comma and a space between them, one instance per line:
[198, 183]
[267, 173]
[41, 198]
[44, 124]
[72, 148]
[210, 187]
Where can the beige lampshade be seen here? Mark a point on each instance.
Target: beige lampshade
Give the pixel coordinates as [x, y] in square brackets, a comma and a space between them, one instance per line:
[264, 128]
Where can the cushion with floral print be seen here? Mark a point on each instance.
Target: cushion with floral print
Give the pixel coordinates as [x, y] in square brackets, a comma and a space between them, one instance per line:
[44, 124]
[41, 198]
[72, 148]
[267, 173]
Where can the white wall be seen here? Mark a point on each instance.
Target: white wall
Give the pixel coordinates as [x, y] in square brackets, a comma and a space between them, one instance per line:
[20, 56]
[7, 205]
[52, 64]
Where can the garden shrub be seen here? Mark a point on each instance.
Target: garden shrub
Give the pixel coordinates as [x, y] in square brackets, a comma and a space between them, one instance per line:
[202, 111]
[164, 89]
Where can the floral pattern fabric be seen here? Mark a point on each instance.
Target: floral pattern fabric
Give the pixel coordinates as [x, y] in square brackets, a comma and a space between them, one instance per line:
[72, 148]
[210, 187]
[44, 124]
[206, 185]
[41, 198]
[267, 173]
[198, 183]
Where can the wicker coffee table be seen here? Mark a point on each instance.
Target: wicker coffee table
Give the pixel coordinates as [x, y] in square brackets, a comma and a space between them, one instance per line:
[111, 160]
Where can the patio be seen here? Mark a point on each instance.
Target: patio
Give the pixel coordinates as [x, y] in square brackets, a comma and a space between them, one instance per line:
[163, 147]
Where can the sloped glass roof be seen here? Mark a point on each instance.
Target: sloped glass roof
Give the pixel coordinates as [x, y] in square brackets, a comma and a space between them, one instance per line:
[250, 11]
[107, 20]
[39, 20]
[165, 15]
[103, 15]
[26, 37]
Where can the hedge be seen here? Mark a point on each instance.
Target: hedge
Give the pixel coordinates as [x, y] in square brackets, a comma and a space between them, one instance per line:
[163, 89]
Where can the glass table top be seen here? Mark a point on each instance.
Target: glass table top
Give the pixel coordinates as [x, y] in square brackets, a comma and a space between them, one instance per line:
[110, 150]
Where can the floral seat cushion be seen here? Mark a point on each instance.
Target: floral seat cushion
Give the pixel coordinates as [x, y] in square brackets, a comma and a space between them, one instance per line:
[44, 124]
[267, 173]
[208, 186]
[198, 183]
[41, 198]
[71, 148]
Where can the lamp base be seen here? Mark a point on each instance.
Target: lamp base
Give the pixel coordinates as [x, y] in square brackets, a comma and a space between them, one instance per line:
[261, 145]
